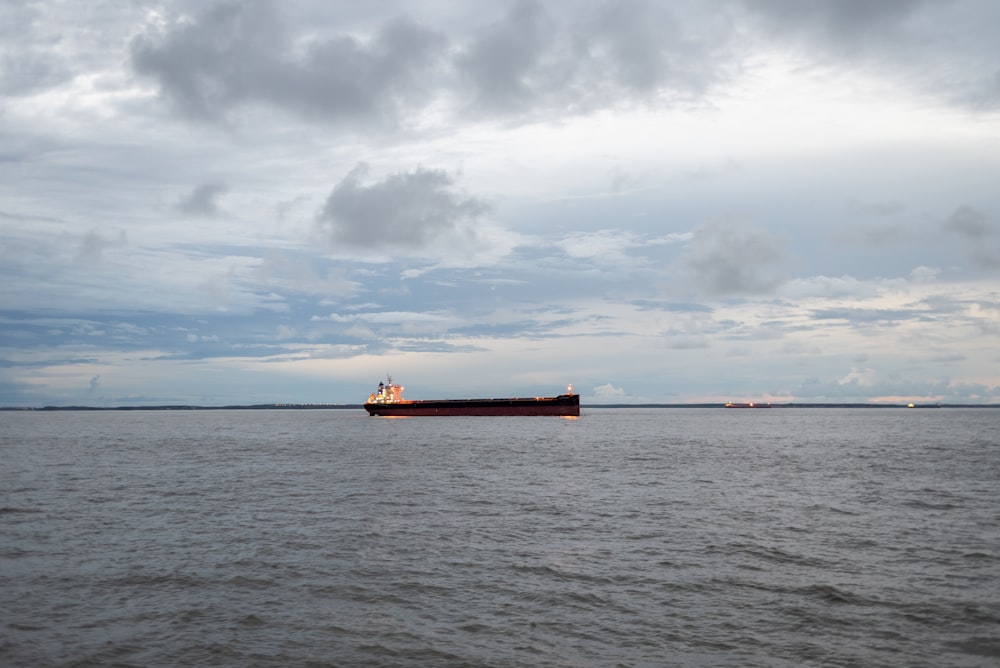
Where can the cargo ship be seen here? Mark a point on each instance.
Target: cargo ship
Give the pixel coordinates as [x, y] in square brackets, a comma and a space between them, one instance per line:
[730, 404]
[388, 401]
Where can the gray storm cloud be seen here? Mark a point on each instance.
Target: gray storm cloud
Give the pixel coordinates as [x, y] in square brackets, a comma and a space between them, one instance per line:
[527, 61]
[981, 234]
[27, 67]
[502, 65]
[918, 41]
[409, 210]
[536, 58]
[203, 200]
[970, 223]
[839, 24]
[731, 258]
[95, 242]
[232, 55]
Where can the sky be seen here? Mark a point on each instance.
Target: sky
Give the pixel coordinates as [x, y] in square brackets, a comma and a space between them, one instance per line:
[221, 203]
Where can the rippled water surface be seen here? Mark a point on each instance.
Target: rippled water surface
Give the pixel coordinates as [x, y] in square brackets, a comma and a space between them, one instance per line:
[630, 537]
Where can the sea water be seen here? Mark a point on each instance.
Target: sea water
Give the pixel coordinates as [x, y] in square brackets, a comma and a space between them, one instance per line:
[627, 537]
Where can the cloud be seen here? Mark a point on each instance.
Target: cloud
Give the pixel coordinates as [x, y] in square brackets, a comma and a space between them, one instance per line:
[865, 316]
[28, 66]
[598, 130]
[886, 208]
[93, 244]
[982, 92]
[296, 273]
[832, 287]
[981, 233]
[23, 73]
[966, 229]
[502, 65]
[840, 24]
[924, 274]
[872, 386]
[728, 257]
[646, 47]
[533, 58]
[613, 247]
[203, 200]
[536, 59]
[598, 56]
[231, 55]
[392, 318]
[608, 391]
[409, 211]
[970, 224]
[942, 49]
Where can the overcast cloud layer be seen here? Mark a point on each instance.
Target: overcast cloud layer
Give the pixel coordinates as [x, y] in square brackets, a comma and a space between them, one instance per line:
[254, 202]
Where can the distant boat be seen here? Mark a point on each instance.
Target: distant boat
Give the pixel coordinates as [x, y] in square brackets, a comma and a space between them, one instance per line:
[388, 401]
[730, 404]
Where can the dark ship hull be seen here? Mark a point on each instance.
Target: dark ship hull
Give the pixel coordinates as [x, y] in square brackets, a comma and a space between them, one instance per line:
[565, 405]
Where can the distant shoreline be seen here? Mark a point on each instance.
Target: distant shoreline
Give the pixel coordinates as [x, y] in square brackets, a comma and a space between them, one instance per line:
[360, 407]
[183, 407]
